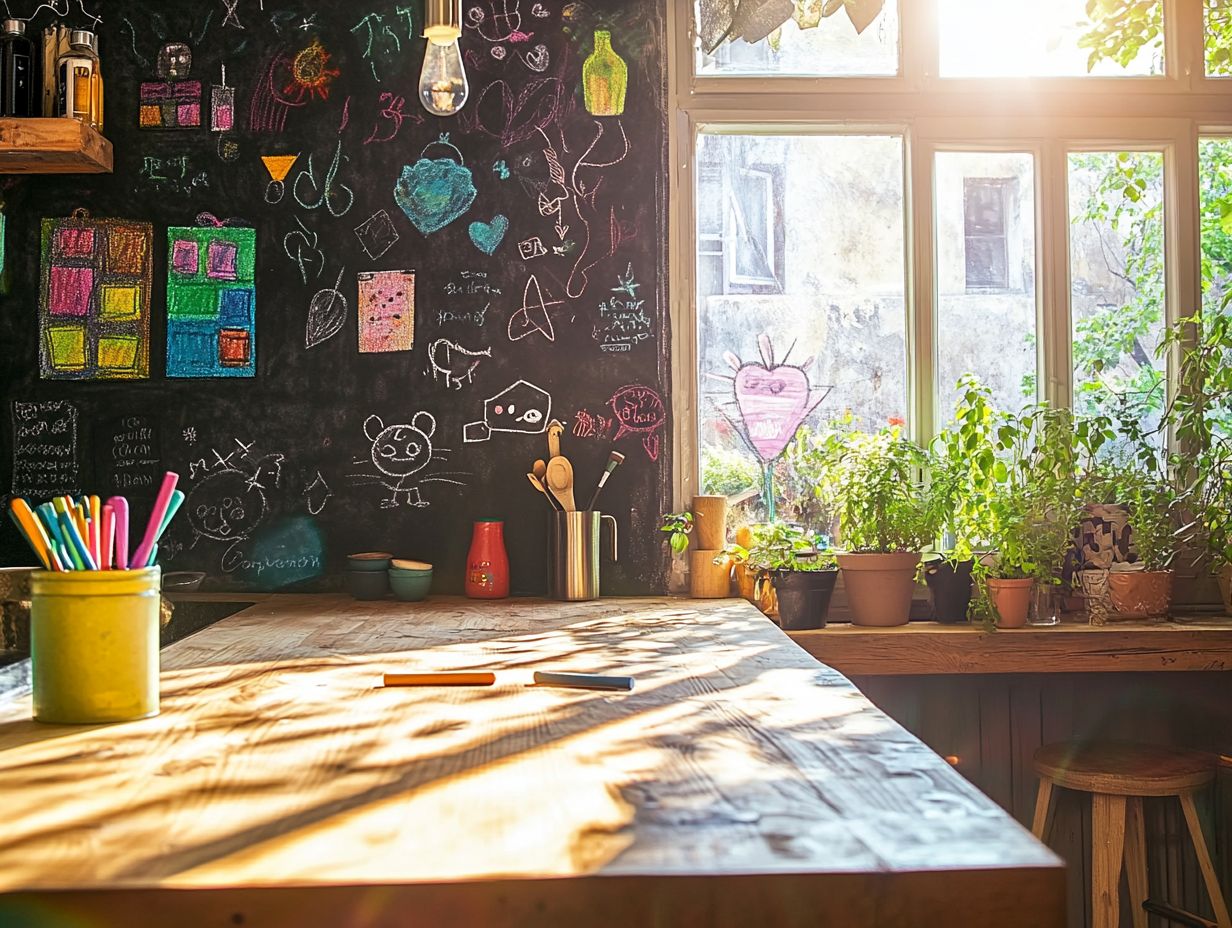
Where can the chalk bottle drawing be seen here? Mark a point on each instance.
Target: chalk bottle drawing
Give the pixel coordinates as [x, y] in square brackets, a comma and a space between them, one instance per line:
[605, 76]
[487, 564]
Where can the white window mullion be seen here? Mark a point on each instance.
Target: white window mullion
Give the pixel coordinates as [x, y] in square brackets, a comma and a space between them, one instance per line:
[921, 290]
[1054, 322]
[1182, 244]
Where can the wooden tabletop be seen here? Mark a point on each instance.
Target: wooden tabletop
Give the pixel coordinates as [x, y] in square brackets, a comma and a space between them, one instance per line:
[933, 648]
[283, 785]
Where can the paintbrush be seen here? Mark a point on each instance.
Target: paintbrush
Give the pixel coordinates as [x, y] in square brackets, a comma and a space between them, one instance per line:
[613, 462]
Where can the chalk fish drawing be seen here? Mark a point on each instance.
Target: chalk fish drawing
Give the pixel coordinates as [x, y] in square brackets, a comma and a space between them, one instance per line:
[454, 363]
[521, 408]
[401, 454]
[433, 192]
[487, 236]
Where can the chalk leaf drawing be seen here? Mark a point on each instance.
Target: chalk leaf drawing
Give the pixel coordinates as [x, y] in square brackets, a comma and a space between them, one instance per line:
[386, 311]
[640, 411]
[454, 364]
[433, 192]
[317, 494]
[487, 236]
[401, 455]
[521, 408]
[326, 314]
[377, 234]
[533, 316]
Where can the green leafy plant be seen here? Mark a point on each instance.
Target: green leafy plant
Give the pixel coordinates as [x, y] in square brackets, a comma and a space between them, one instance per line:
[677, 525]
[1153, 504]
[875, 483]
[783, 546]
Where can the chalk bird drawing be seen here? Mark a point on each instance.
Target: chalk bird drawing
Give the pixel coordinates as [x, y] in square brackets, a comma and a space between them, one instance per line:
[433, 192]
[769, 402]
[401, 455]
[453, 363]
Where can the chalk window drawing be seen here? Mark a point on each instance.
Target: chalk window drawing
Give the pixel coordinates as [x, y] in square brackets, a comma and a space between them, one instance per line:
[386, 311]
[211, 301]
[835, 291]
[94, 306]
[173, 101]
[400, 459]
[377, 234]
[521, 408]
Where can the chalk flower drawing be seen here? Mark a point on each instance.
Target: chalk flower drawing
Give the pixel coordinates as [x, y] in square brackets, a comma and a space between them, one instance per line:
[94, 303]
[433, 192]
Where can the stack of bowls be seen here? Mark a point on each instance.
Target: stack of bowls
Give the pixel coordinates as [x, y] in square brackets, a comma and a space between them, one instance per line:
[410, 580]
[367, 575]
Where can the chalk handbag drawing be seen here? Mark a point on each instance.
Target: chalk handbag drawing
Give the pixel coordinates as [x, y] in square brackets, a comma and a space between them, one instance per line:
[433, 192]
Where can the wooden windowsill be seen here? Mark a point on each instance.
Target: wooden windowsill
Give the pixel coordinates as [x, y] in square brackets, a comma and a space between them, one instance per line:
[933, 648]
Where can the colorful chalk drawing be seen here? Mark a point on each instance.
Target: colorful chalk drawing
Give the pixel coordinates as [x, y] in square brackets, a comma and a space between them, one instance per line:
[326, 314]
[386, 311]
[171, 102]
[382, 41]
[435, 192]
[211, 301]
[639, 411]
[521, 408]
[313, 193]
[624, 321]
[487, 236]
[311, 75]
[390, 118]
[377, 234]
[278, 167]
[222, 105]
[94, 304]
[769, 402]
[503, 25]
[454, 364]
[289, 82]
[533, 315]
[512, 117]
[401, 456]
[605, 78]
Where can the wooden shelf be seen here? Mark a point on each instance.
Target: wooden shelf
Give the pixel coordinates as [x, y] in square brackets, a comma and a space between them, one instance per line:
[52, 146]
[931, 648]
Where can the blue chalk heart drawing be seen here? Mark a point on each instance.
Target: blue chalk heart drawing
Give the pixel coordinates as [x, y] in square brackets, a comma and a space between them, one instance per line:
[487, 236]
[435, 192]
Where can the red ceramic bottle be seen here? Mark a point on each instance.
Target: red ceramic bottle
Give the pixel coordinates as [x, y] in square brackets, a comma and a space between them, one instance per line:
[487, 564]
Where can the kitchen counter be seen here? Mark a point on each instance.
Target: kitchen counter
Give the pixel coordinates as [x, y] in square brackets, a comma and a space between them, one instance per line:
[740, 783]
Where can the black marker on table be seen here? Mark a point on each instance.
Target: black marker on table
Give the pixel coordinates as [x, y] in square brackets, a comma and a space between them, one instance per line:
[585, 681]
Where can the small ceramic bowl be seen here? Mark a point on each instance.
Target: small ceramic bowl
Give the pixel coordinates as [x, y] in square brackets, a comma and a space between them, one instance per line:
[367, 584]
[415, 567]
[369, 560]
[410, 588]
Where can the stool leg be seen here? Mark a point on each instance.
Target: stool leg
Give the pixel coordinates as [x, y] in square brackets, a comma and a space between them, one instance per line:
[1043, 805]
[1107, 846]
[1204, 861]
[1135, 859]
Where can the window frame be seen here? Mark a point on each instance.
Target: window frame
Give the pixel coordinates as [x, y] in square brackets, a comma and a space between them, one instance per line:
[1048, 117]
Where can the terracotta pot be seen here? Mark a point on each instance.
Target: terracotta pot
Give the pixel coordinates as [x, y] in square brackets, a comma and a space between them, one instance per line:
[1225, 587]
[1141, 594]
[879, 587]
[1012, 601]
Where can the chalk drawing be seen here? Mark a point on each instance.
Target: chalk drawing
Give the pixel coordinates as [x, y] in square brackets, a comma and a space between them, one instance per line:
[390, 118]
[300, 245]
[624, 321]
[434, 192]
[317, 494]
[453, 363]
[311, 75]
[533, 316]
[311, 194]
[531, 248]
[401, 455]
[222, 105]
[504, 25]
[639, 410]
[487, 236]
[382, 40]
[326, 314]
[228, 501]
[278, 167]
[521, 408]
[512, 117]
[386, 311]
[377, 234]
[537, 59]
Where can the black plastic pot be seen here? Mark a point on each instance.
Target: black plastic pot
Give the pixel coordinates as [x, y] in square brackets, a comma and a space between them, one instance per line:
[949, 586]
[804, 597]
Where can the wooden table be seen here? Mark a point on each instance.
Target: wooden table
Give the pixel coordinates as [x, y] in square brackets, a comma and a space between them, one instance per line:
[933, 648]
[740, 784]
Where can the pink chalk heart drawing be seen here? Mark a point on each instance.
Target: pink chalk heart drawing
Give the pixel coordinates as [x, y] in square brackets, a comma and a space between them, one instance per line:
[772, 399]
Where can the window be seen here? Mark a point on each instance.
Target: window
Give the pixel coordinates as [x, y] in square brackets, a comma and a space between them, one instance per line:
[882, 199]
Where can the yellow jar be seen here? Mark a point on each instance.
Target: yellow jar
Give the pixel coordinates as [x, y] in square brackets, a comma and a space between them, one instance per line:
[94, 645]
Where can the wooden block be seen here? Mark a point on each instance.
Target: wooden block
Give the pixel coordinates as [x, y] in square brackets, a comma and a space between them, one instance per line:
[708, 580]
[710, 522]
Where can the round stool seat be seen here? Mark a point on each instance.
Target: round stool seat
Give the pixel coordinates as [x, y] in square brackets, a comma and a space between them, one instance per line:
[1121, 768]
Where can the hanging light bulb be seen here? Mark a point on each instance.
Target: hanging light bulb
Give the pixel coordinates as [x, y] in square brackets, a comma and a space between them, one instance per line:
[442, 82]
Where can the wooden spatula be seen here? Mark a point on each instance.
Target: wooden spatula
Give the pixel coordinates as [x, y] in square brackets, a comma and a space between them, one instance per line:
[560, 482]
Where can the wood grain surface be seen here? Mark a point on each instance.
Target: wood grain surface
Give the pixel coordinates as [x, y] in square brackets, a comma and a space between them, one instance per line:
[52, 146]
[280, 765]
[933, 648]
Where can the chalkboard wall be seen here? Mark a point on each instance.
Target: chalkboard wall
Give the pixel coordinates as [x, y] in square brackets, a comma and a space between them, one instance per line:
[429, 291]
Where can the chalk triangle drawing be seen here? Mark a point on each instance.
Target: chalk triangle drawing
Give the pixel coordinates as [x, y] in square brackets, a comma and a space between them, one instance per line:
[279, 166]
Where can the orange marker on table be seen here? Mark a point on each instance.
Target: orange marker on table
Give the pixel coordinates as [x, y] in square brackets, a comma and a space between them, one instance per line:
[448, 678]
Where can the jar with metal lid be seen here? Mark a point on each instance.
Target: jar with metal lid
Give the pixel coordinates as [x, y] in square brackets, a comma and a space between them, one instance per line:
[80, 80]
[18, 71]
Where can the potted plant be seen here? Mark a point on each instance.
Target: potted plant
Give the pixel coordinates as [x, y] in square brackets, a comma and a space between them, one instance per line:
[800, 567]
[1144, 590]
[678, 526]
[886, 517]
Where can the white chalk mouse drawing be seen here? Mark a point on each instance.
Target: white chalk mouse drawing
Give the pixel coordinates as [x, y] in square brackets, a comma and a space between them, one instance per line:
[402, 455]
[454, 364]
[521, 408]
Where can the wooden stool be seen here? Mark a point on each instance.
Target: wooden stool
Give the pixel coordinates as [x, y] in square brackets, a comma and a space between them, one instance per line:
[1118, 775]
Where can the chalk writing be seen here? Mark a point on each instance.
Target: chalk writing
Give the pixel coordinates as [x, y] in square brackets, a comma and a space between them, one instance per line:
[475, 317]
[623, 319]
[312, 193]
[132, 454]
[173, 174]
[469, 283]
[45, 449]
[382, 41]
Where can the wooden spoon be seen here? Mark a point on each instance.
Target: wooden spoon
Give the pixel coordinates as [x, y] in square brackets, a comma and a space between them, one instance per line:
[537, 483]
[560, 482]
[555, 430]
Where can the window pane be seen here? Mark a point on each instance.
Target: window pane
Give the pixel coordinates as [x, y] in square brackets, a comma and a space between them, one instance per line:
[1215, 178]
[845, 44]
[1050, 38]
[1117, 285]
[1218, 37]
[829, 337]
[985, 242]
